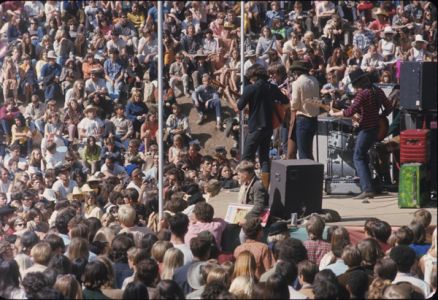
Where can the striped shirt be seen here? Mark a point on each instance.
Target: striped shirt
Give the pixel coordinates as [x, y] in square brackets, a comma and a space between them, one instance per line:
[367, 103]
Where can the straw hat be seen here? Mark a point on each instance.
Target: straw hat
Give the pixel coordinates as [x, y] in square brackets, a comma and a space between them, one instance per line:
[87, 189]
[93, 178]
[200, 53]
[380, 11]
[90, 108]
[76, 192]
[228, 25]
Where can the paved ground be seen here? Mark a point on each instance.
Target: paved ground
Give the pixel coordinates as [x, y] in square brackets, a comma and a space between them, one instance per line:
[352, 212]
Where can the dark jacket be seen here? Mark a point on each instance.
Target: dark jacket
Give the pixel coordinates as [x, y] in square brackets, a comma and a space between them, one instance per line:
[256, 195]
[260, 96]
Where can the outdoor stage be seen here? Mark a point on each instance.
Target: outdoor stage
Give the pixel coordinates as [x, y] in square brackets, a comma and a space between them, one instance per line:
[353, 212]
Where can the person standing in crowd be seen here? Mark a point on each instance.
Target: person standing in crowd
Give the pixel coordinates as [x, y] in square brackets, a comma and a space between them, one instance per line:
[305, 90]
[260, 96]
[367, 103]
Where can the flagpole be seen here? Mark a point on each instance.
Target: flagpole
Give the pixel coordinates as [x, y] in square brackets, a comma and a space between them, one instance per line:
[160, 111]
[242, 62]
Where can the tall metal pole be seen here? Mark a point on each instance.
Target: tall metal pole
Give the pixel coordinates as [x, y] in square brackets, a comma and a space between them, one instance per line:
[242, 62]
[160, 111]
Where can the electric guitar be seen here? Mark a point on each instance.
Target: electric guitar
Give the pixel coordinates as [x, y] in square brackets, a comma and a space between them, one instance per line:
[383, 124]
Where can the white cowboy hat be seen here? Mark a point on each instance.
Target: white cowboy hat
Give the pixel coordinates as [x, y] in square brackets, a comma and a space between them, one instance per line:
[51, 54]
[90, 107]
[419, 38]
[388, 29]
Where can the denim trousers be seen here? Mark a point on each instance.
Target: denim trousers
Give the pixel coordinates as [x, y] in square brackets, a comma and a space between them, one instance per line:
[212, 105]
[259, 139]
[305, 131]
[364, 141]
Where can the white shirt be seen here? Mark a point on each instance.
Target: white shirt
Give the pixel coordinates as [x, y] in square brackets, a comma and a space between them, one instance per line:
[118, 169]
[63, 191]
[188, 256]
[92, 127]
[405, 277]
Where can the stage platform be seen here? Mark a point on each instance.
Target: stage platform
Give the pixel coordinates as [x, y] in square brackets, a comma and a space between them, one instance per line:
[353, 212]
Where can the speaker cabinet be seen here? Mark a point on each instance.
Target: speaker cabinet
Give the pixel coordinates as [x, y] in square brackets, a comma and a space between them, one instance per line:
[296, 187]
[418, 86]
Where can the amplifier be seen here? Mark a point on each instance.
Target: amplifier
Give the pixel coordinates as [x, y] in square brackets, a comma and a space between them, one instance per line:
[342, 186]
[418, 86]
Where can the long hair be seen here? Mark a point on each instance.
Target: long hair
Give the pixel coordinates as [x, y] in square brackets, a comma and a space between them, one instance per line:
[245, 265]
[173, 259]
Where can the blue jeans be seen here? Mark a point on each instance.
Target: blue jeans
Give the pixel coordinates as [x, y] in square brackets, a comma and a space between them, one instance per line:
[365, 140]
[258, 139]
[114, 89]
[305, 131]
[212, 105]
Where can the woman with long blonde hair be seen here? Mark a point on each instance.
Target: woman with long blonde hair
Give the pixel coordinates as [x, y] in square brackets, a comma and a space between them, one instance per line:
[173, 259]
[245, 265]
[78, 248]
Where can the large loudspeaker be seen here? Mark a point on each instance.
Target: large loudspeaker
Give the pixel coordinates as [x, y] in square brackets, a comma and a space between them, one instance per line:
[296, 186]
[418, 86]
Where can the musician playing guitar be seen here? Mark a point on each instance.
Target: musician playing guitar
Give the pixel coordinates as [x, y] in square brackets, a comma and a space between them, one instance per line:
[367, 102]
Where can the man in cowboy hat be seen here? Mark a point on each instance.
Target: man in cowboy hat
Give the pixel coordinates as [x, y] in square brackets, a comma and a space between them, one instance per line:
[418, 51]
[380, 23]
[91, 124]
[367, 102]
[50, 73]
[304, 122]
[95, 84]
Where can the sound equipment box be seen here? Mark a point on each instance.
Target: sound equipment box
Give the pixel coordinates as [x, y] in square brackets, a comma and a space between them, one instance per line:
[418, 86]
[296, 187]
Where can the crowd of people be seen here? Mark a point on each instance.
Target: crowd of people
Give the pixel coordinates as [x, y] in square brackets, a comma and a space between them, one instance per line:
[79, 154]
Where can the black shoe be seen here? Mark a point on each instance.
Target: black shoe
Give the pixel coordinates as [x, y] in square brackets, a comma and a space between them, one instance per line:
[365, 195]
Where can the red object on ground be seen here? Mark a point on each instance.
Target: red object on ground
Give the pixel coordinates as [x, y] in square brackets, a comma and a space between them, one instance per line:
[415, 146]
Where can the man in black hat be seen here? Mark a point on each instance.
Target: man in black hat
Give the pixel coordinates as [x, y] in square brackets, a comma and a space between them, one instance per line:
[304, 122]
[367, 102]
[260, 96]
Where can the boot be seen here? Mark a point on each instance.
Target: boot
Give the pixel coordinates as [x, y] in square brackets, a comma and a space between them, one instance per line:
[265, 179]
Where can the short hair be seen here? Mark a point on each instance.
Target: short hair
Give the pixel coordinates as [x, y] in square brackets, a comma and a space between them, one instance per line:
[278, 286]
[200, 247]
[169, 289]
[127, 215]
[381, 230]
[213, 290]
[308, 270]
[315, 227]
[252, 227]
[95, 275]
[340, 238]
[246, 166]
[357, 283]
[159, 249]
[386, 269]
[131, 194]
[288, 270]
[28, 239]
[422, 216]
[404, 256]
[55, 242]
[120, 246]
[41, 253]
[136, 290]
[204, 212]
[351, 256]
[404, 236]
[419, 233]
[291, 249]
[257, 71]
[147, 271]
[325, 285]
[179, 224]
[33, 282]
